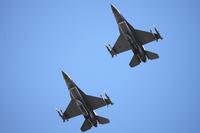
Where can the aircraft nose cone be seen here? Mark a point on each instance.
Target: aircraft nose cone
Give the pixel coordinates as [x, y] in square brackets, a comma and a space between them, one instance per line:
[113, 8]
[64, 75]
[68, 80]
[117, 14]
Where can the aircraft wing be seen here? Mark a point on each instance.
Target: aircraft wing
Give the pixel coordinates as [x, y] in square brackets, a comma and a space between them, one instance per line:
[96, 102]
[72, 110]
[144, 37]
[121, 45]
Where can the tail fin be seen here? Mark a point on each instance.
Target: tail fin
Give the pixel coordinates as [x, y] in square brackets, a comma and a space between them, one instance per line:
[86, 125]
[151, 55]
[134, 61]
[102, 120]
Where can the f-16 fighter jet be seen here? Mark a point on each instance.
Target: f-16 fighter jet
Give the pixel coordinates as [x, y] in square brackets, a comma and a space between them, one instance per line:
[133, 39]
[84, 104]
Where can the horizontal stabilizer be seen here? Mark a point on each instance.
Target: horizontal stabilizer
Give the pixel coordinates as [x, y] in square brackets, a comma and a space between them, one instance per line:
[134, 61]
[86, 125]
[151, 55]
[102, 120]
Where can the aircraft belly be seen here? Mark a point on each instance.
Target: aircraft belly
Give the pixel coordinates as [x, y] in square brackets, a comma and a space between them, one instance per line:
[82, 108]
[75, 93]
[124, 27]
[127, 33]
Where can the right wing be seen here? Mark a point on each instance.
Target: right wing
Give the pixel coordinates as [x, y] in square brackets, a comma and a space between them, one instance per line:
[71, 111]
[145, 37]
[97, 102]
[121, 45]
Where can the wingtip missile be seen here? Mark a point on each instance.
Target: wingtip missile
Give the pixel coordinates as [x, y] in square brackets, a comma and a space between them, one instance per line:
[109, 48]
[108, 98]
[158, 33]
[60, 113]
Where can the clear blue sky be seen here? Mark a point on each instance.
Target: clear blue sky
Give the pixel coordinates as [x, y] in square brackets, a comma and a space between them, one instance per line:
[39, 38]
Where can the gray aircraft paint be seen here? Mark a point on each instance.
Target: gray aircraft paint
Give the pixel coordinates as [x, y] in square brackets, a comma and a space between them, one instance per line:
[83, 104]
[134, 39]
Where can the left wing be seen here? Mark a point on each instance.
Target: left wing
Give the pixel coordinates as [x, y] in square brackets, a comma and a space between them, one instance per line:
[97, 102]
[121, 45]
[71, 111]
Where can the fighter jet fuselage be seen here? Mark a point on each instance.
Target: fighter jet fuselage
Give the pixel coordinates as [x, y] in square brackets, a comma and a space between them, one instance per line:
[130, 37]
[82, 105]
